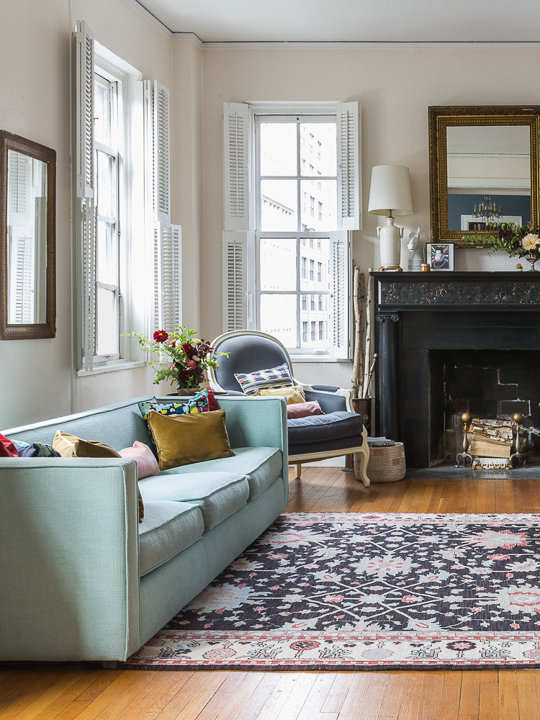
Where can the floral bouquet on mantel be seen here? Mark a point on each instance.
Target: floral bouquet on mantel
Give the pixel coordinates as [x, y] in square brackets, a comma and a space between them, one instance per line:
[182, 359]
[516, 240]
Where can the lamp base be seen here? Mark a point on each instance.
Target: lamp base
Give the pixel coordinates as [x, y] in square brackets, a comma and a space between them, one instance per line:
[390, 268]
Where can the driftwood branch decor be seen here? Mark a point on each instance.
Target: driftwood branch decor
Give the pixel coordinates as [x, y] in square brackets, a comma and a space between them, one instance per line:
[363, 369]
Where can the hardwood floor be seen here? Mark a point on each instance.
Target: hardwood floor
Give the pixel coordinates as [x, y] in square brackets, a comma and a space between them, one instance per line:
[87, 692]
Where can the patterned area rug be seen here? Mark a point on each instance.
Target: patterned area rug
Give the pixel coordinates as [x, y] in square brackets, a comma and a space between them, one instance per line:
[352, 591]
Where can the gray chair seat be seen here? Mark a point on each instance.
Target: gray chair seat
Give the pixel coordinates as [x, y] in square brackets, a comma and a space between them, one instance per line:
[321, 433]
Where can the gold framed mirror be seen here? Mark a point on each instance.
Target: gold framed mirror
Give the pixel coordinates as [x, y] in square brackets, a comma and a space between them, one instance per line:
[27, 240]
[483, 168]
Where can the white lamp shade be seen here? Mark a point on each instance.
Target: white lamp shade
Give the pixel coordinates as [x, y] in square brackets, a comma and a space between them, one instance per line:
[390, 191]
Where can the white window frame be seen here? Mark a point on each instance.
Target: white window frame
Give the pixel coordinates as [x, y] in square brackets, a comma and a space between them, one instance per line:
[240, 237]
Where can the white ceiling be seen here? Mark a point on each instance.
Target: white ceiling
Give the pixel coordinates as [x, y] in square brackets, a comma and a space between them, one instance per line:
[351, 20]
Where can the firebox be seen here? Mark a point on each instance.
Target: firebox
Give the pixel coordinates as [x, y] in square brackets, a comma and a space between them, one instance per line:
[450, 343]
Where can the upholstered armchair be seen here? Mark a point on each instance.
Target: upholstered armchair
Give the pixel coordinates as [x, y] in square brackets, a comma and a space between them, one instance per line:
[338, 431]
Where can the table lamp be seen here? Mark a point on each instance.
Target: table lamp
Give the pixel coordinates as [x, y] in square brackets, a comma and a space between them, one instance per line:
[390, 195]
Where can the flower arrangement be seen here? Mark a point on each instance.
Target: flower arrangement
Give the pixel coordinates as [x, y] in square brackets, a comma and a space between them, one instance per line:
[182, 359]
[520, 240]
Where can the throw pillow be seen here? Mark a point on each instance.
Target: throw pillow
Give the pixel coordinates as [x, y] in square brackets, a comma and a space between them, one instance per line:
[146, 460]
[197, 404]
[71, 446]
[300, 410]
[186, 439]
[36, 449]
[293, 394]
[7, 448]
[252, 383]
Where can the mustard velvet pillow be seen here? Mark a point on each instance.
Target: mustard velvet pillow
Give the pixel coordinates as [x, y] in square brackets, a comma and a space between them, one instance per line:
[71, 446]
[186, 439]
[293, 394]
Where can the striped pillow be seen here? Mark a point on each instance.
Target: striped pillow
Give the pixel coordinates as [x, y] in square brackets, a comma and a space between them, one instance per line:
[253, 383]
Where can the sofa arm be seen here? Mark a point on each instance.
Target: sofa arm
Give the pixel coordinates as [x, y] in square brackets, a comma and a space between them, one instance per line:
[69, 560]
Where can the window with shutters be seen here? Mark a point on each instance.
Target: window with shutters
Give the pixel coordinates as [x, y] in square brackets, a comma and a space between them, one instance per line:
[292, 196]
[125, 244]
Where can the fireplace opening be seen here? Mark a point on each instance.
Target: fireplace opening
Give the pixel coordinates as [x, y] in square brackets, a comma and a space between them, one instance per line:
[492, 384]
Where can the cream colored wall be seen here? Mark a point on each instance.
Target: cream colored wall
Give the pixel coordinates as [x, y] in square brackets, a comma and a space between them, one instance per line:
[395, 87]
[36, 376]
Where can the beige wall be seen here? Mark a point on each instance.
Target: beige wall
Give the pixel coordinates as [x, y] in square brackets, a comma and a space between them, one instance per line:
[36, 376]
[395, 86]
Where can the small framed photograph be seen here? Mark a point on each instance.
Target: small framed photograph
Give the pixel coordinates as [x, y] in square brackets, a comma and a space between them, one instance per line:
[440, 256]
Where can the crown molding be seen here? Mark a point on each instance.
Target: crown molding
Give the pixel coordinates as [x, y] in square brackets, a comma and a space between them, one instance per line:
[331, 44]
[137, 5]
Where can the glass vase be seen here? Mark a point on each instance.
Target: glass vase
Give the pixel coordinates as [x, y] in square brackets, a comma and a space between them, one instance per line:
[533, 260]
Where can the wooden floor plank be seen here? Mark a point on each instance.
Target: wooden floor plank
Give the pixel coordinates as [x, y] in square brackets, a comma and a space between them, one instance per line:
[527, 696]
[193, 696]
[508, 695]
[469, 702]
[489, 701]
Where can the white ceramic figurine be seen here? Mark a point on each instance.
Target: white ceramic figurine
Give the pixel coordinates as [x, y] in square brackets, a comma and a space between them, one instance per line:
[415, 251]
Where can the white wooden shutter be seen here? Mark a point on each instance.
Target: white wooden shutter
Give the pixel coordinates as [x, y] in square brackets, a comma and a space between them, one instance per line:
[18, 174]
[157, 117]
[235, 297]
[236, 145]
[22, 274]
[341, 296]
[167, 309]
[349, 188]
[85, 212]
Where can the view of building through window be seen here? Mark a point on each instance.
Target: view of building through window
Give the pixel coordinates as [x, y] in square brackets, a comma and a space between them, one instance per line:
[297, 205]
[106, 183]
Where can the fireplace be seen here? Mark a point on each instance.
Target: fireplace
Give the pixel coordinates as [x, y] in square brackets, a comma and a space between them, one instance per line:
[450, 343]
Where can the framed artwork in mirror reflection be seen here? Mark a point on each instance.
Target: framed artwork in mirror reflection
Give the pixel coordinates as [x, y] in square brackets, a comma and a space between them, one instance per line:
[440, 256]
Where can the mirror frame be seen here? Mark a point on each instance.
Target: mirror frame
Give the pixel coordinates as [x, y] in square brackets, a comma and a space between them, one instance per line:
[440, 118]
[9, 141]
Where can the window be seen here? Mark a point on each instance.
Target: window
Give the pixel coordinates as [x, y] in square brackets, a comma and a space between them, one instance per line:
[321, 329]
[108, 153]
[304, 302]
[116, 218]
[266, 270]
[304, 331]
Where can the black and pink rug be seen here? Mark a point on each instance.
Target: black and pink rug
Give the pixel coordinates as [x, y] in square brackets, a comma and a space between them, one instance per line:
[346, 591]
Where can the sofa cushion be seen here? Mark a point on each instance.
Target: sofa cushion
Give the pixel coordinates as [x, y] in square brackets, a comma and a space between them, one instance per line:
[218, 494]
[260, 465]
[167, 529]
[185, 439]
[323, 428]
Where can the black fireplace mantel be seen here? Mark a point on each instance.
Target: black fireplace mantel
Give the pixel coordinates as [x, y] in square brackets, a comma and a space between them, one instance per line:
[416, 313]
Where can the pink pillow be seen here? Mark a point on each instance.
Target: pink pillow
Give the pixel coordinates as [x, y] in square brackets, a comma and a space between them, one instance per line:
[300, 410]
[147, 465]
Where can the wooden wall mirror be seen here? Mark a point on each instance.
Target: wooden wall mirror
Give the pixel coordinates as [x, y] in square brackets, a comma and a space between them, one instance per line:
[27, 240]
[482, 157]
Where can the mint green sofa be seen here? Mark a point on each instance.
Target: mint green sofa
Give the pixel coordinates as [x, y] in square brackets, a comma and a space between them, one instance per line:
[81, 579]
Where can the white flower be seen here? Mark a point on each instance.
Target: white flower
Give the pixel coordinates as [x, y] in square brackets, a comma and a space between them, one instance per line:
[530, 241]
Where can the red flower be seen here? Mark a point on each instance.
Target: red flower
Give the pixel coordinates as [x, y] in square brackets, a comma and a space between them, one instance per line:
[189, 350]
[192, 364]
[160, 336]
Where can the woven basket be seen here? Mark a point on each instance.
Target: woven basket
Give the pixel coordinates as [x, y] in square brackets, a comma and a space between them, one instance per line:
[386, 464]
